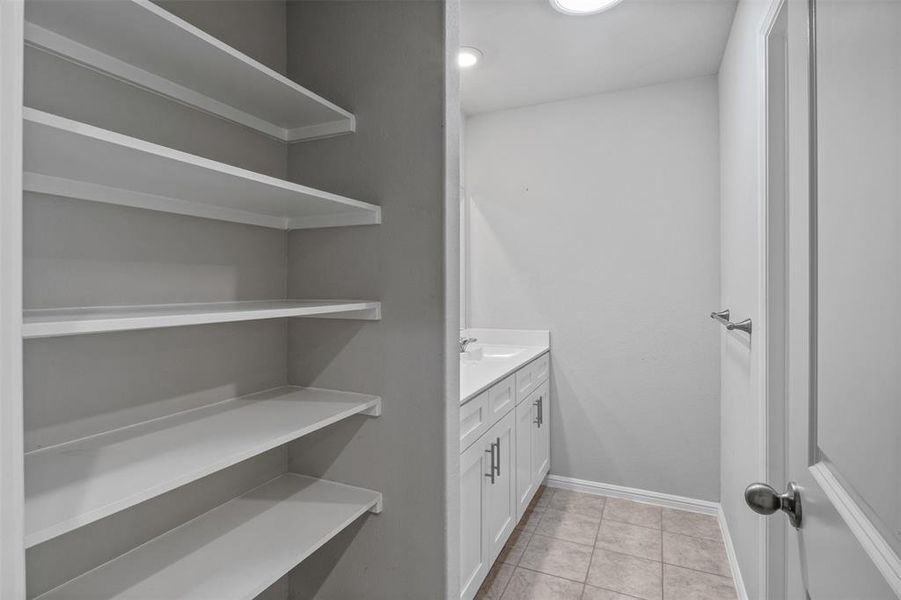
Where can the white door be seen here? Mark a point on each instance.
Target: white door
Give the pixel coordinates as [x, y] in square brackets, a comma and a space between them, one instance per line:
[525, 485]
[474, 564]
[500, 492]
[541, 433]
[843, 302]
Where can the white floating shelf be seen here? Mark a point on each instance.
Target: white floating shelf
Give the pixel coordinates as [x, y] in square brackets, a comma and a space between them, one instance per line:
[233, 552]
[68, 158]
[57, 322]
[147, 46]
[77, 483]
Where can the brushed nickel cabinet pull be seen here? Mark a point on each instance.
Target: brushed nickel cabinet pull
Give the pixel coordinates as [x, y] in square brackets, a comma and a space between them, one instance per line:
[498, 471]
[490, 472]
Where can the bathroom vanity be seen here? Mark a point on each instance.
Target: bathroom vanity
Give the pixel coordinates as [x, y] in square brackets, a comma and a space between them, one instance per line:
[504, 441]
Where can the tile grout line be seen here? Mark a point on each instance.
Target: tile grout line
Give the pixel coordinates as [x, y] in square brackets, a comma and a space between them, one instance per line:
[662, 592]
[552, 576]
[531, 535]
[597, 587]
[593, 548]
[696, 570]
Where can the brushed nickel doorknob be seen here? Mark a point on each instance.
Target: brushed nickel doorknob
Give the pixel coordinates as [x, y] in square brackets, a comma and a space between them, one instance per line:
[764, 500]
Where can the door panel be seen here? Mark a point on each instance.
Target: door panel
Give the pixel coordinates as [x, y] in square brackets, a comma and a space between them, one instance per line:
[842, 254]
[500, 503]
[859, 252]
[525, 412]
[474, 464]
[541, 436]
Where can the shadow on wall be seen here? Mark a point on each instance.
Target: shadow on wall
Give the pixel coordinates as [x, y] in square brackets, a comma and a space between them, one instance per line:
[80, 253]
[314, 344]
[307, 579]
[574, 412]
[117, 379]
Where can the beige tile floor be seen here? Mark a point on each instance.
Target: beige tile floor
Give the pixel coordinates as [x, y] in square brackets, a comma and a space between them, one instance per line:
[574, 546]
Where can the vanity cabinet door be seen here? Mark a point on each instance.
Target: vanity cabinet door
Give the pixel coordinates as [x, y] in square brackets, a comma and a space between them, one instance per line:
[541, 436]
[525, 434]
[500, 494]
[475, 464]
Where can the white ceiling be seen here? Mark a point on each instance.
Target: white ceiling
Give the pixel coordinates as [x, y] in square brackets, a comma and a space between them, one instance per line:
[534, 54]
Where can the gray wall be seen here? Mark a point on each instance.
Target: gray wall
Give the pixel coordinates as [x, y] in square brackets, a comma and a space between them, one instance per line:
[395, 159]
[598, 219]
[80, 253]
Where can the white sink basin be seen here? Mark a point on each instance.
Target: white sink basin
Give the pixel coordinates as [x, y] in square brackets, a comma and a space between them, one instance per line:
[480, 352]
[499, 354]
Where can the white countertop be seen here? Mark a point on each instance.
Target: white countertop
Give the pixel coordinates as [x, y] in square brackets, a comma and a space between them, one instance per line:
[497, 354]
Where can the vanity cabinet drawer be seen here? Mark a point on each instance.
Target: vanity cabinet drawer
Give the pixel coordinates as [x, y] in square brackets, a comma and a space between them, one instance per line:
[473, 420]
[531, 376]
[501, 398]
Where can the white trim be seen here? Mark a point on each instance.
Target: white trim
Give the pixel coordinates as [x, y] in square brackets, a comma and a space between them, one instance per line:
[705, 507]
[451, 292]
[732, 557]
[765, 442]
[873, 543]
[12, 478]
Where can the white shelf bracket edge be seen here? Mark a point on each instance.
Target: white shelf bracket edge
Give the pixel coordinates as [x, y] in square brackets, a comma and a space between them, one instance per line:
[374, 411]
[322, 130]
[372, 217]
[366, 314]
[378, 506]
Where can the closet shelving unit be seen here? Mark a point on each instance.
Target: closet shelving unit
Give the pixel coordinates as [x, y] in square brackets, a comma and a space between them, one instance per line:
[73, 484]
[234, 551]
[144, 44]
[242, 546]
[73, 159]
[57, 322]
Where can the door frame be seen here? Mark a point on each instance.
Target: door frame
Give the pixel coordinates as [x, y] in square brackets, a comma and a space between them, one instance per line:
[772, 269]
[12, 494]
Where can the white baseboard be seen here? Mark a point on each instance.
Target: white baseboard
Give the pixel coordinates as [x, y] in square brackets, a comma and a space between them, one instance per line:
[730, 554]
[617, 491]
[666, 500]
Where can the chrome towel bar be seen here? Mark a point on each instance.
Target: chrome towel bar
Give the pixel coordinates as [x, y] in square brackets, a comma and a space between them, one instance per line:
[723, 318]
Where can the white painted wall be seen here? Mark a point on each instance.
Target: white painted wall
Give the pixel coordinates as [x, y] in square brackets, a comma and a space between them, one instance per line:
[739, 94]
[598, 219]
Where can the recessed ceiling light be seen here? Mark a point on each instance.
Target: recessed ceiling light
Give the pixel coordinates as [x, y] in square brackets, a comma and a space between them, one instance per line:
[468, 57]
[583, 7]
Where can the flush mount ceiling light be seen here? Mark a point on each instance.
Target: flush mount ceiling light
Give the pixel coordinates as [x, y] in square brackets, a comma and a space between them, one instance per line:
[468, 57]
[583, 7]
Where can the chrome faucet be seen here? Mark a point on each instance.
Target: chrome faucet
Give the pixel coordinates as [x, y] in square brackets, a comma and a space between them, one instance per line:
[464, 342]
